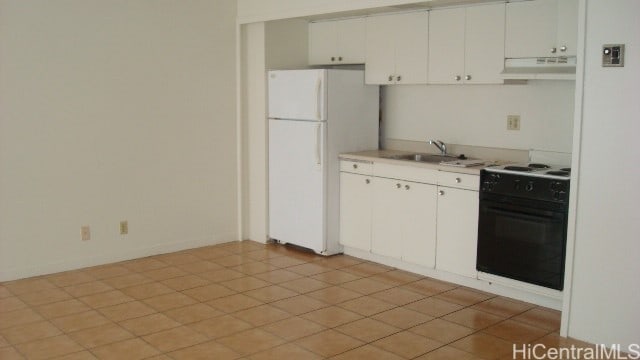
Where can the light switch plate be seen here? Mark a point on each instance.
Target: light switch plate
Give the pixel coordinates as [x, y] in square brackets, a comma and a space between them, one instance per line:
[613, 55]
[513, 122]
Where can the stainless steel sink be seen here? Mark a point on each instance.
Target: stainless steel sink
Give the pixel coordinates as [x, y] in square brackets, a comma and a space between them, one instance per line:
[428, 158]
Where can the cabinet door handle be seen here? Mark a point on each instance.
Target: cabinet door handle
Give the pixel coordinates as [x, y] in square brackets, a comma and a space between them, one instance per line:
[398, 185]
[390, 77]
[563, 48]
[339, 58]
[468, 77]
[355, 166]
[457, 78]
[554, 50]
[458, 180]
[367, 181]
[406, 187]
[398, 78]
[441, 192]
[333, 58]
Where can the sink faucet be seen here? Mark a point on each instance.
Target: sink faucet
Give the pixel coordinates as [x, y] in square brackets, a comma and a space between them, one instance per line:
[440, 145]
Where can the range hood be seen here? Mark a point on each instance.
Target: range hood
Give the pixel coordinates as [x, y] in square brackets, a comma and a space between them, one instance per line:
[543, 68]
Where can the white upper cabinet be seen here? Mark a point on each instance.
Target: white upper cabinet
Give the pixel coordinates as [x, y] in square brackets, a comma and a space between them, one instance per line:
[567, 33]
[397, 48]
[446, 46]
[466, 45]
[337, 42]
[541, 28]
[484, 44]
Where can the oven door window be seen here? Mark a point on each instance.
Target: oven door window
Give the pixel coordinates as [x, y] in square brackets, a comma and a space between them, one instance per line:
[522, 243]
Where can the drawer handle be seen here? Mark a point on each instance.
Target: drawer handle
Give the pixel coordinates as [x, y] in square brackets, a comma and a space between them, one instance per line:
[398, 185]
[406, 187]
[441, 192]
[458, 180]
[367, 181]
[355, 166]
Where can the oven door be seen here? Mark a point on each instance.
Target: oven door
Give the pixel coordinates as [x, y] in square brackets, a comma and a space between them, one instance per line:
[522, 240]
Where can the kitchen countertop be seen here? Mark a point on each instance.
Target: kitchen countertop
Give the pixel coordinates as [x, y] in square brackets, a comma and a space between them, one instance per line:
[380, 157]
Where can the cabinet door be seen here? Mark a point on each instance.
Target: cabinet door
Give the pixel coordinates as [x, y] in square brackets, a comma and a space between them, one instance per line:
[567, 36]
[419, 205]
[323, 37]
[446, 46]
[380, 50]
[531, 28]
[484, 44]
[387, 215]
[457, 231]
[412, 47]
[350, 41]
[355, 210]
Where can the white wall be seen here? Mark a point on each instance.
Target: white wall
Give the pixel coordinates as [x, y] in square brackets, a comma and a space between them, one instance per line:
[254, 92]
[114, 110]
[477, 114]
[606, 292]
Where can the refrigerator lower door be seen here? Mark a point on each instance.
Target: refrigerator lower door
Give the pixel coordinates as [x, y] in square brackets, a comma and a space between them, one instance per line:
[297, 183]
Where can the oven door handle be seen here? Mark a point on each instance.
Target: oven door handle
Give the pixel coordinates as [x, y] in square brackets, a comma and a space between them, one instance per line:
[547, 214]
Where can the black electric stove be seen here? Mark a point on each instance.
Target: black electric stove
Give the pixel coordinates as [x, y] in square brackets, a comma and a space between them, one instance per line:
[522, 225]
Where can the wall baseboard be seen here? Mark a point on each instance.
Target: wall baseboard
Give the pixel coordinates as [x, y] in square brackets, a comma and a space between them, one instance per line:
[16, 273]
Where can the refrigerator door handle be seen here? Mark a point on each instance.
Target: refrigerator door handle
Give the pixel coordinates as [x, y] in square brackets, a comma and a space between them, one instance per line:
[318, 144]
[318, 98]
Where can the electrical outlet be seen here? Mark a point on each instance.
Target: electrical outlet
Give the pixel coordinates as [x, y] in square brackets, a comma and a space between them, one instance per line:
[124, 227]
[85, 233]
[513, 122]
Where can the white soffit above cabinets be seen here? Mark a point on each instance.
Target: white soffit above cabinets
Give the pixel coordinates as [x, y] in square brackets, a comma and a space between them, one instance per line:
[414, 6]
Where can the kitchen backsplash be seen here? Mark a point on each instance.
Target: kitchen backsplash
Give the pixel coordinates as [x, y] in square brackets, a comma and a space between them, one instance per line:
[476, 115]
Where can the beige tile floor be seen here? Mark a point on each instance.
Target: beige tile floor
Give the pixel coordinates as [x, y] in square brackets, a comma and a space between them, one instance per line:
[245, 300]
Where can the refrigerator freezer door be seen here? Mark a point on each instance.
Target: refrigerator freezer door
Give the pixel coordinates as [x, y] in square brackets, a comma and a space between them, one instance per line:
[297, 182]
[298, 94]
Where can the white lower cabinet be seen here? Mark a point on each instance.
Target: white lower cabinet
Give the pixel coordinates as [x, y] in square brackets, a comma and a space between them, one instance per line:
[355, 210]
[403, 220]
[432, 225]
[457, 231]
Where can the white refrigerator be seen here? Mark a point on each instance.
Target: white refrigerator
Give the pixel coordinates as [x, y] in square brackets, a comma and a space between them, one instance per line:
[314, 115]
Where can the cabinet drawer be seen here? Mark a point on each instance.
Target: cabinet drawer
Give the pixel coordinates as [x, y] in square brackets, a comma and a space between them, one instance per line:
[457, 180]
[356, 167]
[403, 172]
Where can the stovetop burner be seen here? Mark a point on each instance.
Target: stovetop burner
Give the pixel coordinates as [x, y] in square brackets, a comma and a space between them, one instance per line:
[538, 166]
[518, 168]
[534, 169]
[558, 172]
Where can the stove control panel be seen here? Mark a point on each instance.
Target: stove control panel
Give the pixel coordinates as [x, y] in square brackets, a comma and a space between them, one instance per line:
[524, 186]
[559, 190]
